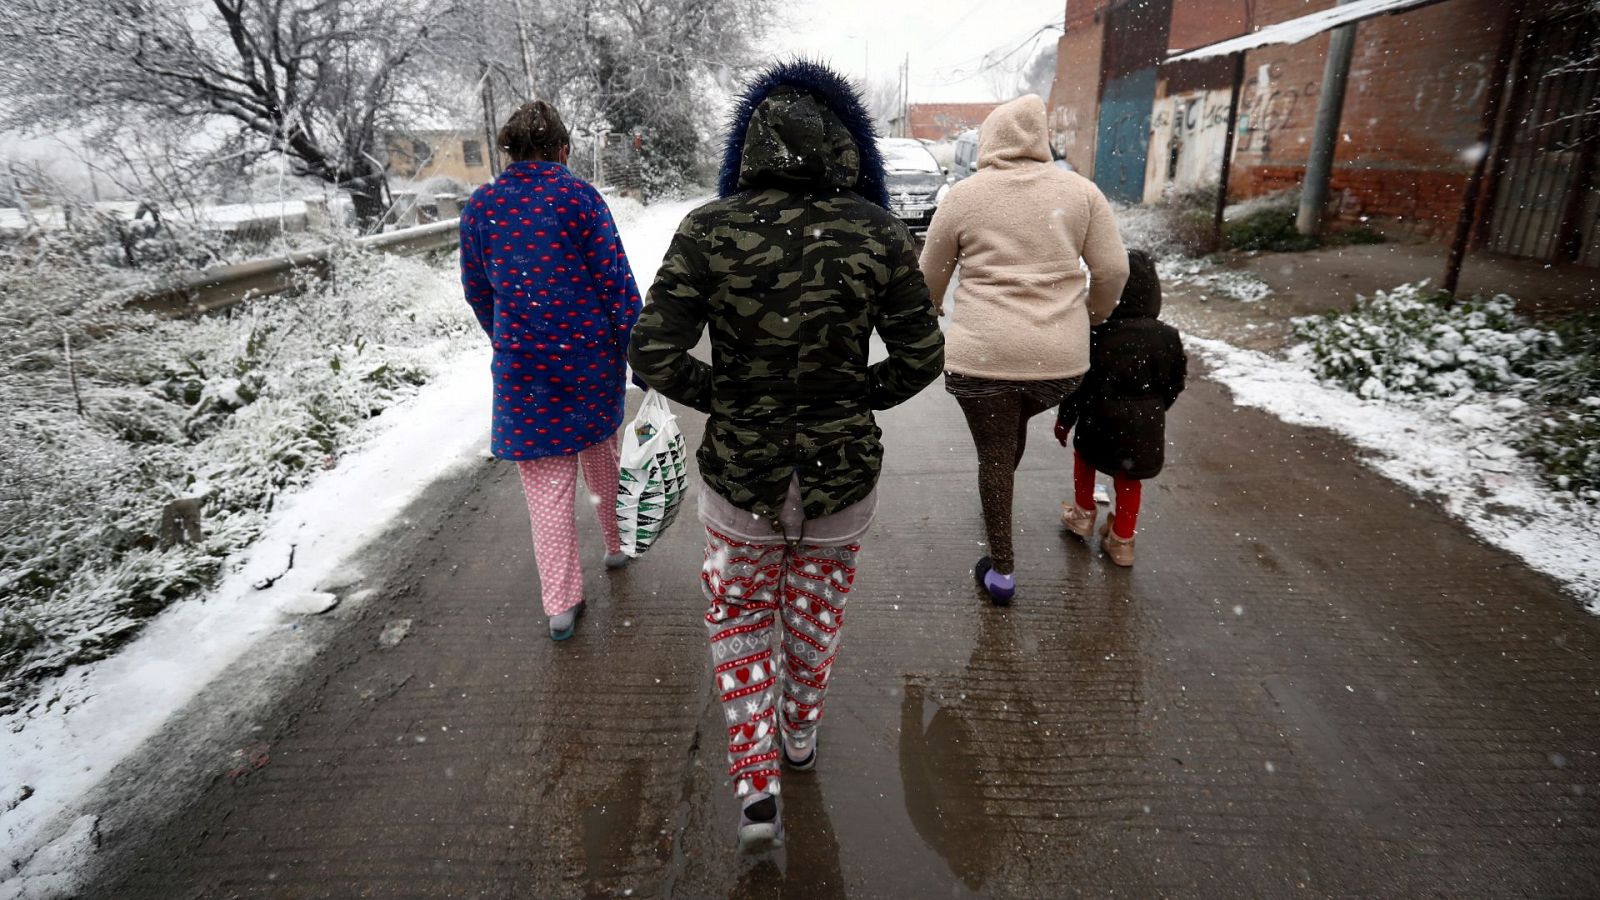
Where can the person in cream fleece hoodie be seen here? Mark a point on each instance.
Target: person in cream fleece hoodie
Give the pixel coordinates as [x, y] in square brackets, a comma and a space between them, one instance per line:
[1018, 340]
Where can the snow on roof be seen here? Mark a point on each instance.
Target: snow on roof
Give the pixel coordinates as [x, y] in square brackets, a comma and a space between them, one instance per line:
[1308, 26]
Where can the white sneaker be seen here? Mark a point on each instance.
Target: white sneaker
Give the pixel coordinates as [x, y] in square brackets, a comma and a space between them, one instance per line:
[760, 824]
[799, 764]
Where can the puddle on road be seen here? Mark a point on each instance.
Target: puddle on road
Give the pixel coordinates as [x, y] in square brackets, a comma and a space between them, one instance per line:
[609, 828]
[941, 782]
[1019, 700]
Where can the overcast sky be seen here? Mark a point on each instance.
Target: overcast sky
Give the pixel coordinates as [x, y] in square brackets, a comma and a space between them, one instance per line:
[947, 40]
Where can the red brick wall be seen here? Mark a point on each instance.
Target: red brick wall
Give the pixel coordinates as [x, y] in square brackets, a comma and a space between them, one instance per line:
[941, 121]
[1196, 23]
[1412, 201]
[1411, 115]
[1075, 96]
[1412, 111]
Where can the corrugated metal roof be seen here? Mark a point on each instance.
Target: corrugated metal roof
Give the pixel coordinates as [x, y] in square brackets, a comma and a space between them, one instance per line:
[1308, 26]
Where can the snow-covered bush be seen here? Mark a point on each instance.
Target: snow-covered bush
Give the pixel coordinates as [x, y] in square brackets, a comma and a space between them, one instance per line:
[229, 410]
[1267, 223]
[1412, 344]
[1564, 430]
[1414, 341]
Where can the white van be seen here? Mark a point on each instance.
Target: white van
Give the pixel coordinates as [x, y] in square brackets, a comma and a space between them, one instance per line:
[965, 160]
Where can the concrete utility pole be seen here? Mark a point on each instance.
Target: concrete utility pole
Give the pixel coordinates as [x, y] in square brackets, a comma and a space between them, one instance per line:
[905, 97]
[1319, 165]
[527, 54]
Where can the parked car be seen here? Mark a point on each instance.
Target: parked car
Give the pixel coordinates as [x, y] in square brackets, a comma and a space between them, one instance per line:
[965, 159]
[915, 179]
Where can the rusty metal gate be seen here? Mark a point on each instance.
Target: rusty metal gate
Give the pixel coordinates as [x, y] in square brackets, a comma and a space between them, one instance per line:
[1547, 195]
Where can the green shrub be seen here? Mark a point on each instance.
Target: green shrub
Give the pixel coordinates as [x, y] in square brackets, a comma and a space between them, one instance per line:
[1563, 434]
[1269, 229]
[1353, 236]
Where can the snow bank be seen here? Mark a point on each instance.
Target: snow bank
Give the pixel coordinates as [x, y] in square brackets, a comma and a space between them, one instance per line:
[105, 711]
[1441, 448]
[55, 755]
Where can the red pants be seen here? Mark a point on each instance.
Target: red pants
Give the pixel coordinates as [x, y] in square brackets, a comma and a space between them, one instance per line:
[1127, 490]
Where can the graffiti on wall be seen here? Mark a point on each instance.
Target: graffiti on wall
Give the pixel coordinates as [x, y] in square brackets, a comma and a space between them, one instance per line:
[953, 125]
[1193, 118]
[1187, 132]
[1269, 108]
[1263, 109]
[1064, 132]
[1453, 87]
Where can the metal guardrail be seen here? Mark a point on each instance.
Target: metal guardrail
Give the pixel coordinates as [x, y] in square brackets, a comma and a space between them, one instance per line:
[223, 286]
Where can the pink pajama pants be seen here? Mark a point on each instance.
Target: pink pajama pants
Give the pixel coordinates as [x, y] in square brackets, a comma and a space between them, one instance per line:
[550, 484]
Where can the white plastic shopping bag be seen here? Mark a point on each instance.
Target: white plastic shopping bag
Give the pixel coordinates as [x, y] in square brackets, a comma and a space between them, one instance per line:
[655, 470]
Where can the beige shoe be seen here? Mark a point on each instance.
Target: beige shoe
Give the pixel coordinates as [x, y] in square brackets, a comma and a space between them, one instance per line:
[1120, 550]
[1078, 520]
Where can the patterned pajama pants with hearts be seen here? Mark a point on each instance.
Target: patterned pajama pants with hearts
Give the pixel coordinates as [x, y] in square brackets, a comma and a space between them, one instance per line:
[774, 619]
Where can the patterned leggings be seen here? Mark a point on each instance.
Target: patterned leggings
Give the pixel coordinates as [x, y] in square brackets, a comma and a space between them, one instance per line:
[551, 486]
[998, 420]
[749, 587]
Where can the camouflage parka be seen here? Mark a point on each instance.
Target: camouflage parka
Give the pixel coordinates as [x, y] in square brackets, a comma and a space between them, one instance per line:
[792, 269]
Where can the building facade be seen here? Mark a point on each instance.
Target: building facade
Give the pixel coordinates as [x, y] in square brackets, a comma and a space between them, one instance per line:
[457, 154]
[1411, 125]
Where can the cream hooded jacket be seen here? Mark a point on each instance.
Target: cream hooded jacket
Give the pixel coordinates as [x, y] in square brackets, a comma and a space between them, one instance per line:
[1017, 228]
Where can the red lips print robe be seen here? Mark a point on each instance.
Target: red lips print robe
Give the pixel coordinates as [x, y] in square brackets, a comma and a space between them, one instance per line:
[544, 271]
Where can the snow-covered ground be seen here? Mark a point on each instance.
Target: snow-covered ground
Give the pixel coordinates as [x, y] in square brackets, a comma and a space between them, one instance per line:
[1209, 278]
[1442, 449]
[56, 756]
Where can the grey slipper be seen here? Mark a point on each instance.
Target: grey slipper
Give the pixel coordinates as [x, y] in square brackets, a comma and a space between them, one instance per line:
[563, 625]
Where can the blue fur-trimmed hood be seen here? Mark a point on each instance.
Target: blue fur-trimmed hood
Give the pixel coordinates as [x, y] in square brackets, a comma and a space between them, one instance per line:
[837, 96]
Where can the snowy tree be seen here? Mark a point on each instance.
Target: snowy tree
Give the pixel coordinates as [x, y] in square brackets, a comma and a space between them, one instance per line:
[318, 81]
[882, 98]
[652, 60]
[1584, 16]
[645, 67]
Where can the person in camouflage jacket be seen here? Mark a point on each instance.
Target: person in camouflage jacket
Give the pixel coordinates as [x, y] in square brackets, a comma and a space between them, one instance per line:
[793, 268]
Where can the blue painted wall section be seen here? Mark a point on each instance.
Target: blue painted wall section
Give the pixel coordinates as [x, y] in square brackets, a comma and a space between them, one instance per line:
[1124, 135]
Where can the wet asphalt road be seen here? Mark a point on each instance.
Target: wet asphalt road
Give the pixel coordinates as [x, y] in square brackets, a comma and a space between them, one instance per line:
[1313, 683]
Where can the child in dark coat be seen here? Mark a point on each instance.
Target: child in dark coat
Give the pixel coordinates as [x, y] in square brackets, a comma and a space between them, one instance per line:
[1136, 372]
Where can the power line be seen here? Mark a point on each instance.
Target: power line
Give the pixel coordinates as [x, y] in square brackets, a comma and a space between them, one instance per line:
[989, 61]
[981, 4]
